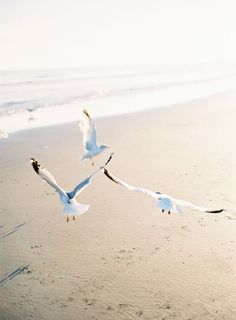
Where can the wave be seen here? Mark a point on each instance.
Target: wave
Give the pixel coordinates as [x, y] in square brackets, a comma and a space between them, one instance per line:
[61, 94]
[12, 106]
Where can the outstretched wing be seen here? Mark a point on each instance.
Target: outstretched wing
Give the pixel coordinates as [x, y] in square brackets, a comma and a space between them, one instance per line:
[82, 185]
[184, 203]
[128, 186]
[89, 131]
[47, 177]
[160, 196]
[85, 183]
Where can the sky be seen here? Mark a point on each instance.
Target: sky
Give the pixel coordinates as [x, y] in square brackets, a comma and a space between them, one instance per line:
[42, 34]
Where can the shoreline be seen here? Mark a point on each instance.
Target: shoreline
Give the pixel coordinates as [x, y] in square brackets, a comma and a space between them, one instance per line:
[21, 121]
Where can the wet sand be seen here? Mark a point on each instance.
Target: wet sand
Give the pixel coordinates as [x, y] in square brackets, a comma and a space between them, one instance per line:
[123, 259]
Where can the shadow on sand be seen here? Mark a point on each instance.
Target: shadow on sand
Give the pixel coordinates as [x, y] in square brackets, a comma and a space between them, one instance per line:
[8, 276]
[12, 230]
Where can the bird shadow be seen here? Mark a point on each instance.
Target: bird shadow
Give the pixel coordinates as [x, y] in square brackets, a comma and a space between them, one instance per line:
[12, 230]
[8, 276]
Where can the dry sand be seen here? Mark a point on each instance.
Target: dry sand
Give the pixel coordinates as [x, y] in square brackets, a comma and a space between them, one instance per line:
[124, 259]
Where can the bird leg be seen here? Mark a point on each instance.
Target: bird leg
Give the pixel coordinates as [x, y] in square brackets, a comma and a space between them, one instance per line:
[67, 219]
[73, 217]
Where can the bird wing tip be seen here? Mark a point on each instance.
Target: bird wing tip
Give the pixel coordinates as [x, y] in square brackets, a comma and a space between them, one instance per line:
[215, 211]
[109, 176]
[35, 165]
[85, 111]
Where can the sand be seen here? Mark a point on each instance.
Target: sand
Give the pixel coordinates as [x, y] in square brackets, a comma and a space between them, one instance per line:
[123, 259]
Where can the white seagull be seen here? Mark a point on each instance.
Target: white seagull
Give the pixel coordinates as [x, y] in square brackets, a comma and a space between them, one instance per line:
[89, 138]
[162, 201]
[71, 206]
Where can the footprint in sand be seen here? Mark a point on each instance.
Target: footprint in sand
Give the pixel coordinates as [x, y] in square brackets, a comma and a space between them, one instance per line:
[139, 313]
[155, 251]
[89, 302]
[109, 308]
[35, 248]
[123, 305]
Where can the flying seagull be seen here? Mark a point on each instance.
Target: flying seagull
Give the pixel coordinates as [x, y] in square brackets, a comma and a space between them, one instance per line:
[89, 138]
[68, 199]
[162, 201]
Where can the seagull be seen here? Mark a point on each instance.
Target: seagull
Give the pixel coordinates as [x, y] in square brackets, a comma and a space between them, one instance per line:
[162, 201]
[68, 199]
[89, 138]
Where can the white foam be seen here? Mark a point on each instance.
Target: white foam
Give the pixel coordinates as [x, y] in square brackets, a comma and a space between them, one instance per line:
[113, 95]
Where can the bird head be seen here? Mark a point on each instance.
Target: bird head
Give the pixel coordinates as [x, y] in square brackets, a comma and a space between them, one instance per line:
[104, 146]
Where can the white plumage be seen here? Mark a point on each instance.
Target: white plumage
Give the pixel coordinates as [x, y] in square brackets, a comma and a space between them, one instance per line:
[71, 206]
[88, 130]
[162, 201]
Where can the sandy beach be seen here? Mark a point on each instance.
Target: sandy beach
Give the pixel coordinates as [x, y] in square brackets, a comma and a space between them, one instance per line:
[123, 259]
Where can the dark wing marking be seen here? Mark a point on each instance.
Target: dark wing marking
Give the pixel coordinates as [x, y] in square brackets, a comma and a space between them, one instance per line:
[215, 211]
[47, 177]
[112, 178]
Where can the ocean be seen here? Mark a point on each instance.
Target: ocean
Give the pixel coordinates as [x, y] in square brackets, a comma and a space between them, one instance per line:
[30, 99]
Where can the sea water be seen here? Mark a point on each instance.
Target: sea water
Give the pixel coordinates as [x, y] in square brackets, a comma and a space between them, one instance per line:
[30, 99]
